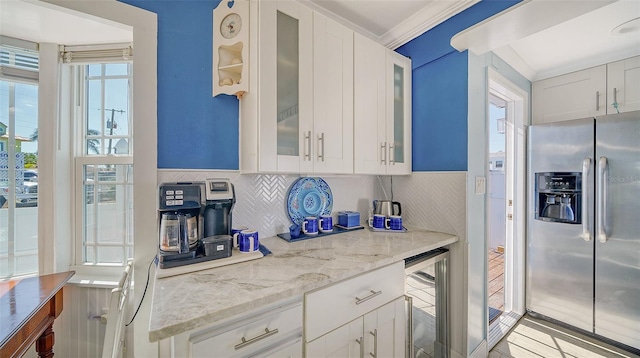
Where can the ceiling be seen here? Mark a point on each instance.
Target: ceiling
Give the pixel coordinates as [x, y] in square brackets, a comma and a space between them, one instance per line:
[547, 47]
[38, 21]
[539, 38]
[391, 22]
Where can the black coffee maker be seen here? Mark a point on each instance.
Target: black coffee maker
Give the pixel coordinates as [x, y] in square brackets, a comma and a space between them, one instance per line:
[180, 211]
[195, 222]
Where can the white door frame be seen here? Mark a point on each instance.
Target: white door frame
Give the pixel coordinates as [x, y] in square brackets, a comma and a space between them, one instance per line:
[517, 110]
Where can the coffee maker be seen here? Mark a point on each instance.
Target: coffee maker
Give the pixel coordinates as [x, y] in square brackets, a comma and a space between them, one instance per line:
[195, 222]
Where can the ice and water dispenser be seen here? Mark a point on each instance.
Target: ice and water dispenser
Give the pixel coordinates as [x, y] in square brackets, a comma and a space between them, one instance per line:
[558, 197]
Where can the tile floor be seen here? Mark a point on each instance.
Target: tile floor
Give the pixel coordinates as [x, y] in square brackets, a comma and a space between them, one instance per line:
[496, 280]
[533, 337]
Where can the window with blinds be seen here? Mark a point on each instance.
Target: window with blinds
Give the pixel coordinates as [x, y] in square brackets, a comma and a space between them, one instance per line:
[18, 59]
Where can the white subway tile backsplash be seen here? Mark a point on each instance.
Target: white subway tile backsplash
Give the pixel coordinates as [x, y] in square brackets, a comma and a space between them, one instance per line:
[261, 199]
[430, 200]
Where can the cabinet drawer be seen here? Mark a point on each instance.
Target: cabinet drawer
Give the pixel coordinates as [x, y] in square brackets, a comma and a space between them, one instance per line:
[338, 304]
[246, 338]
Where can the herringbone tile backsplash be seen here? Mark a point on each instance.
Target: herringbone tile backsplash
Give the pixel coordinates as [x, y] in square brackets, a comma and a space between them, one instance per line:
[434, 201]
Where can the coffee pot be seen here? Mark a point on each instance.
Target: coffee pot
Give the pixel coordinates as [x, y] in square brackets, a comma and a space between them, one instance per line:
[387, 207]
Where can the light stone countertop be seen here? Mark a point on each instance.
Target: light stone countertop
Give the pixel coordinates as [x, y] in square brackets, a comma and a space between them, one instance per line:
[198, 299]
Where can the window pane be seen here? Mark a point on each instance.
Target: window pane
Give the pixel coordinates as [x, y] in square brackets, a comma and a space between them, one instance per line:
[107, 255]
[18, 179]
[116, 69]
[94, 70]
[108, 222]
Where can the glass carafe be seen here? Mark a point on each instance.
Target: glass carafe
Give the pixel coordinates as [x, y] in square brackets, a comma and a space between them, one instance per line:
[169, 232]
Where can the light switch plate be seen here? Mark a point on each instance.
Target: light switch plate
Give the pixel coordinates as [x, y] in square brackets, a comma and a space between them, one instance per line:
[480, 185]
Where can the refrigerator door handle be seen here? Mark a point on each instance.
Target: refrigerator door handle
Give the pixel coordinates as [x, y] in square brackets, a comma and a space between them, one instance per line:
[601, 199]
[586, 170]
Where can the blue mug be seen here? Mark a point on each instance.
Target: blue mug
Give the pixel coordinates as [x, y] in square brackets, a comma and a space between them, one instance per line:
[246, 241]
[394, 222]
[237, 230]
[310, 225]
[326, 223]
[377, 221]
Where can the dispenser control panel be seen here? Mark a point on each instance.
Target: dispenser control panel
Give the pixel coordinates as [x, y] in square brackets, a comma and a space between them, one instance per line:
[218, 189]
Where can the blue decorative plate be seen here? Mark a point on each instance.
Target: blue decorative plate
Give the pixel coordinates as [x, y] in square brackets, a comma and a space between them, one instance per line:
[309, 197]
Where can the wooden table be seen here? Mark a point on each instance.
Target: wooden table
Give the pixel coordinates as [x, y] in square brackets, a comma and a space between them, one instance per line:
[28, 308]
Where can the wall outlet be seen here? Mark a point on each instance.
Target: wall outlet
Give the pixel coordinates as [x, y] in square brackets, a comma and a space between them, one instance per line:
[481, 185]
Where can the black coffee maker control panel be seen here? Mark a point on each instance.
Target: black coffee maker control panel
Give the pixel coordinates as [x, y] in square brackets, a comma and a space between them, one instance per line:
[180, 196]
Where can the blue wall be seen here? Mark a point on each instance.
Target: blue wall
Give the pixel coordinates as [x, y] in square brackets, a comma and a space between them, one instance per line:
[198, 131]
[440, 91]
[195, 130]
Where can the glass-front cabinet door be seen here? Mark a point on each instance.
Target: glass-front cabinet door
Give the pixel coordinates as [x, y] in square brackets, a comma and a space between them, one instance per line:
[398, 114]
[286, 87]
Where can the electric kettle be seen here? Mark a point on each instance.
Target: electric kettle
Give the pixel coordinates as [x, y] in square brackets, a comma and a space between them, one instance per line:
[386, 207]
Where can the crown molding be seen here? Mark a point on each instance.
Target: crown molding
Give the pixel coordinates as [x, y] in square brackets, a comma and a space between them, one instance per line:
[424, 20]
[427, 18]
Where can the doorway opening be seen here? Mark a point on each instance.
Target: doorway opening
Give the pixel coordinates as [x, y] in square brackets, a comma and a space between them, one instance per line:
[506, 114]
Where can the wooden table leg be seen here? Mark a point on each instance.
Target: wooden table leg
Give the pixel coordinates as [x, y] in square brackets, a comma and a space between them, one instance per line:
[44, 344]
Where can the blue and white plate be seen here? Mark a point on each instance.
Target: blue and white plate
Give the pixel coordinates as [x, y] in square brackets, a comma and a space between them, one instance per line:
[309, 197]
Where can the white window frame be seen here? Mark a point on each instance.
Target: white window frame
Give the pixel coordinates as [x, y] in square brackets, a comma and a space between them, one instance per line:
[81, 158]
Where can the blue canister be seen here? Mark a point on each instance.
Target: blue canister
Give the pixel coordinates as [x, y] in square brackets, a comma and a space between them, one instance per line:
[349, 218]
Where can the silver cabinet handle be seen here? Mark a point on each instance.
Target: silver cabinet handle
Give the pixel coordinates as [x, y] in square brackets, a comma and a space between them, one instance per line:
[321, 147]
[359, 341]
[409, 350]
[307, 139]
[586, 169]
[383, 153]
[597, 101]
[391, 150]
[372, 295]
[615, 97]
[602, 200]
[267, 333]
[374, 333]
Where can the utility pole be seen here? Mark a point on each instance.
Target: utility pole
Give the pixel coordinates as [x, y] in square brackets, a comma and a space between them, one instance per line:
[113, 111]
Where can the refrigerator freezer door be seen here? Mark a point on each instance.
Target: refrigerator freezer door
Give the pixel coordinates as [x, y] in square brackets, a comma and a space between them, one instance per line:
[559, 281]
[617, 263]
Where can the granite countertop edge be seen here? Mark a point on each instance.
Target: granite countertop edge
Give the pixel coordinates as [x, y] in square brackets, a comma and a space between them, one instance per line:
[200, 299]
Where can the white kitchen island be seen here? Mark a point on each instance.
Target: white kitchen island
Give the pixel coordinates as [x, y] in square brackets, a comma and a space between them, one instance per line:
[224, 295]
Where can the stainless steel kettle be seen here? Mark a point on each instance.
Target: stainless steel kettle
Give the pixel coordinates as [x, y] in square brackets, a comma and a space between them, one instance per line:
[386, 207]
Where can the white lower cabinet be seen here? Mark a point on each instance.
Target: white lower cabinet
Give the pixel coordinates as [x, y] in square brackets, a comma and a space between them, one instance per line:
[345, 341]
[384, 330]
[358, 317]
[272, 333]
[379, 333]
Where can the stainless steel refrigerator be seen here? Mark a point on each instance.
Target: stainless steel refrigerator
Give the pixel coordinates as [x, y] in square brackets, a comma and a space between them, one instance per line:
[583, 226]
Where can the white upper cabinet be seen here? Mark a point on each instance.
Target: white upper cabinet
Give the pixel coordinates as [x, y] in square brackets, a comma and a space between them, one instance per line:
[575, 95]
[299, 118]
[322, 99]
[588, 93]
[369, 105]
[623, 85]
[398, 126]
[332, 96]
[382, 109]
[276, 115]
